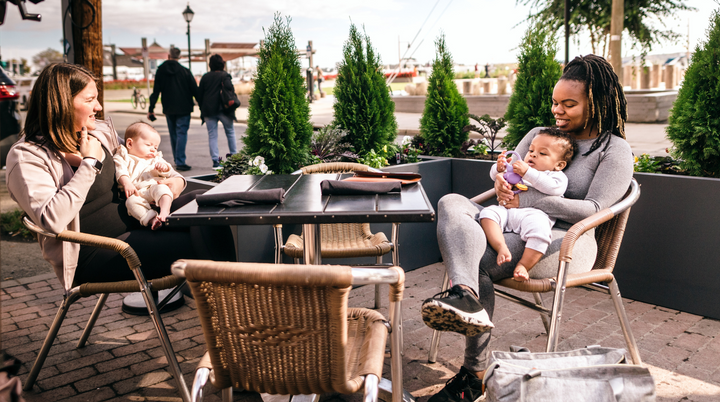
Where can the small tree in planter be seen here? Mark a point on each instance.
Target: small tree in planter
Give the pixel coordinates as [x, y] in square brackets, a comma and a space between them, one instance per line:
[445, 114]
[538, 71]
[363, 106]
[488, 128]
[694, 125]
[279, 127]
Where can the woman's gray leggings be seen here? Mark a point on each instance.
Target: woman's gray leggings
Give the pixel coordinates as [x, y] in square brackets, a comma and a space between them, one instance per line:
[470, 261]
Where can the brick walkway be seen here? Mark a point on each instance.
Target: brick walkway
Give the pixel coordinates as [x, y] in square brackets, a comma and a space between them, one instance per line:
[123, 360]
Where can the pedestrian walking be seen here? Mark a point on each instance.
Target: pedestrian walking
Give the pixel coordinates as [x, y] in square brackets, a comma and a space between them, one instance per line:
[319, 78]
[212, 109]
[178, 87]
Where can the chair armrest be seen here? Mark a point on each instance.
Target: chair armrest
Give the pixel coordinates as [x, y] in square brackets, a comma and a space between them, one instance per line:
[486, 196]
[202, 373]
[86, 239]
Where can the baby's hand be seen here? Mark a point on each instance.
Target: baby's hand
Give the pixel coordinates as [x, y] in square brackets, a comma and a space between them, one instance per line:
[501, 162]
[162, 167]
[130, 189]
[520, 167]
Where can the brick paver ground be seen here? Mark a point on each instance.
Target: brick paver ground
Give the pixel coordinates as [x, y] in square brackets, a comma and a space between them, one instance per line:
[123, 360]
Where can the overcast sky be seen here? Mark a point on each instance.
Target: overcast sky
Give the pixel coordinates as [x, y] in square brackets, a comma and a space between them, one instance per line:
[477, 31]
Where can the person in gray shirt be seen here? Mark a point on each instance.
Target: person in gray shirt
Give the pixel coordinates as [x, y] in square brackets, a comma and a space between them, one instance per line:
[588, 103]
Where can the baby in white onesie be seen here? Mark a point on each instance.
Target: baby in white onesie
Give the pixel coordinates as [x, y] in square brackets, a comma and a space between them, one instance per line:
[138, 167]
[550, 152]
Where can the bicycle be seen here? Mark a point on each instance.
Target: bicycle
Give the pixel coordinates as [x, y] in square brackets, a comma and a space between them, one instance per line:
[137, 98]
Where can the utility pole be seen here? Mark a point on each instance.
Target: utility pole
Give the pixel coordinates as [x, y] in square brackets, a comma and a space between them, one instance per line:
[207, 55]
[617, 19]
[87, 39]
[567, 31]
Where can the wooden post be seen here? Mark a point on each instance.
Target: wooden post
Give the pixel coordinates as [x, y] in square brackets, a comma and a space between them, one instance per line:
[207, 55]
[114, 62]
[616, 27]
[146, 63]
[87, 42]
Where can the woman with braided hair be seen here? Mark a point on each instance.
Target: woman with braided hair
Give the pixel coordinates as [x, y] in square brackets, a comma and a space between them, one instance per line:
[589, 104]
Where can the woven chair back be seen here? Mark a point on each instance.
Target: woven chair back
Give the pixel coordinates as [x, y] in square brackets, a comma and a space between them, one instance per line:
[609, 237]
[334, 167]
[272, 328]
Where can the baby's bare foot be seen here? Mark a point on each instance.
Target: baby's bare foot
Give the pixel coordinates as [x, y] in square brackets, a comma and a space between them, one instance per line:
[503, 255]
[520, 274]
[156, 223]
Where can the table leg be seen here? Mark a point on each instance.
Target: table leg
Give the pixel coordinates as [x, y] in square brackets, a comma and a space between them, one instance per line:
[311, 244]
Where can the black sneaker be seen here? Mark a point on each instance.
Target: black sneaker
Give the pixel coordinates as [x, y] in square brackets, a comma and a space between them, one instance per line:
[182, 168]
[457, 310]
[463, 387]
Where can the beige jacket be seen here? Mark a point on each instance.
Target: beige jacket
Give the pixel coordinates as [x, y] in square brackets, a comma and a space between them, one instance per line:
[44, 185]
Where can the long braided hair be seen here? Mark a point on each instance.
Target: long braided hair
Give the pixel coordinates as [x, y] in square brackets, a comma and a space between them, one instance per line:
[606, 100]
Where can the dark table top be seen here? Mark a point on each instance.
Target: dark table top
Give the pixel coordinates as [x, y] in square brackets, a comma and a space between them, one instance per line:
[304, 203]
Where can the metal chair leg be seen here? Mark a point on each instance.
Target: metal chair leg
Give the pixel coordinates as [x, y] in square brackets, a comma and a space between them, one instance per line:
[50, 338]
[93, 318]
[227, 394]
[624, 322]
[543, 317]
[435, 342]
[556, 315]
[371, 388]
[278, 243]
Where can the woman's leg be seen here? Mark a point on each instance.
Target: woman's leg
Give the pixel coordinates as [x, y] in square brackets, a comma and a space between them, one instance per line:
[212, 127]
[227, 123]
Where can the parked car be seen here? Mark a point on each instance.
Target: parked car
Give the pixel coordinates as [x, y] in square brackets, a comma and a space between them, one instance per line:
[24, 87]
[9, 116]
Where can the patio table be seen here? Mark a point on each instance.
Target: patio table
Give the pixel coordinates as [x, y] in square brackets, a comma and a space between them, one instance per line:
[304, 204]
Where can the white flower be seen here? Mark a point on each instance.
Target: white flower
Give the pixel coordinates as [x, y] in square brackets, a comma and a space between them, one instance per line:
[263, 168]
[269, 172]
[259, 160]
[406, 140]
[250, 163]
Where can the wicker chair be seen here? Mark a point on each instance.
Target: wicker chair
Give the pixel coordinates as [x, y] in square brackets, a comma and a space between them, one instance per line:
[103, 290]
[342, 240]
[287, 330]
[609, 227]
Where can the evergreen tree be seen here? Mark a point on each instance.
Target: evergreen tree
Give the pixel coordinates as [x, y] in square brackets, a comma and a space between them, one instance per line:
[446, 111]
[363, 106]
[279, 127]
[694, 125]
[538, 72]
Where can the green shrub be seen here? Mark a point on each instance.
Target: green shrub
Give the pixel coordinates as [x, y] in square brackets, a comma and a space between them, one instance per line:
[445, 114]
[279, 127]
[11, 224]
[531, 100]
[330, 145]
[694, 124]
[363, 106]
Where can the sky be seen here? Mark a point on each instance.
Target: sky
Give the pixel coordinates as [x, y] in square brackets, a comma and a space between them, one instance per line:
[476, 31]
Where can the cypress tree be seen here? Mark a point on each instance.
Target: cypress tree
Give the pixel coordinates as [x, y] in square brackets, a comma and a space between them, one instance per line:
[538, 72]
[363, 106]
[446, 111]
[279, 127]
[694, 125]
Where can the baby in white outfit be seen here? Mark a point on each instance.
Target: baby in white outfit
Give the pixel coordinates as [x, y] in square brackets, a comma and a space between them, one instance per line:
[138, 167]
[549, 153]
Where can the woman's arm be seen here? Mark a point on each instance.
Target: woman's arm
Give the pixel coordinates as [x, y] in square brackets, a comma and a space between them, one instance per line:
[32, 186]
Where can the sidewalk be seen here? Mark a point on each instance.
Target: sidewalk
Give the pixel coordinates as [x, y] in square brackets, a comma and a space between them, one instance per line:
[643, 138]
[123, 360]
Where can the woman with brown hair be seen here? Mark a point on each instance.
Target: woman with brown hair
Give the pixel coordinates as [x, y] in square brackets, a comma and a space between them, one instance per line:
[61, 173]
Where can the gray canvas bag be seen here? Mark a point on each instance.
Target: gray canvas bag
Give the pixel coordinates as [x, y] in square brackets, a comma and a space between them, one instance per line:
[593, 374]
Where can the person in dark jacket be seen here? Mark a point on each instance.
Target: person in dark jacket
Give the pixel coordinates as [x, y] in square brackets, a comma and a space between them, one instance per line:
[178, 87]
[211, 109]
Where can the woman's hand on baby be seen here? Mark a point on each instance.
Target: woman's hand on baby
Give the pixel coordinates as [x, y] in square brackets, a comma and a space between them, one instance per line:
[520, 167]
[162, 167]
[89, 146]
[176, 185]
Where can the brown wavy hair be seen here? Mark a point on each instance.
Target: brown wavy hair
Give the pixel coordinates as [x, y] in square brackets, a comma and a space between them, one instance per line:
[50, 109]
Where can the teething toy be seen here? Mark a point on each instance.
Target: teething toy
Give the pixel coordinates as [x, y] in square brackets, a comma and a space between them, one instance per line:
[511, 177]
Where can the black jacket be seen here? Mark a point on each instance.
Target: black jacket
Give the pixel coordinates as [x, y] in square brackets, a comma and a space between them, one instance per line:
[178, 88]
[209, 93]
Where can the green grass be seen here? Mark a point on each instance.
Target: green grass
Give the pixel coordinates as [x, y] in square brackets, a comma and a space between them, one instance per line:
[12, 225]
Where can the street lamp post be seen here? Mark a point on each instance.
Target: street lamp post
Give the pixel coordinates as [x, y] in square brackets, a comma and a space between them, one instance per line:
[188, 14]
